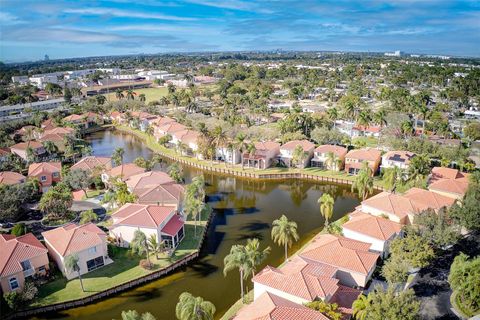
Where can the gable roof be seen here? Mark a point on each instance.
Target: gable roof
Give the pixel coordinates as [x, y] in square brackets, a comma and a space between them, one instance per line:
[368, 154]
[125, 170]
[271, 307]
[439, 173]
[17, 249]
[167, 192]
[148, 180]
[44, 167]
[305, 144]
[266, 145]
[25, 145]
[92, 162]
[372, 226]
[455, 186]
[172, 127]
[337, 150]
[298, 277]
[10, 177]
[391, 203]
[342, 253]
[73, 238]
[424, 199]
[399, 156]
[141, 215]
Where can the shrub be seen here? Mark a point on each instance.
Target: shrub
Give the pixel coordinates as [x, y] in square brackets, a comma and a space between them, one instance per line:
[12, 299]
[112, 250]
[19, 229]
[29, 292]
[145, 264]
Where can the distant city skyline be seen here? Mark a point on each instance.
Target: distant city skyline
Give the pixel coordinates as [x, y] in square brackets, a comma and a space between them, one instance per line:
[68, 29]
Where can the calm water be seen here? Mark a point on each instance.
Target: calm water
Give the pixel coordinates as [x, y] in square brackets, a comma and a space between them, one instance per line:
[243, 209]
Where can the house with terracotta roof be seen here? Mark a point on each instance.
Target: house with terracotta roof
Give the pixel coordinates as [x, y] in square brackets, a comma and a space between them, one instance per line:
[47, 173]
[20, 149]
[288, 150]
[48, 124]
[4, 152]
[57, 136]
[353, 259]
[299, 281]
[354, 160]
[263, 155]
[268, 306]
[87, 241]
[161, 221]
[448, 182]
[22, 258]
[403, 208]
[369, 131]
[92, 163]
[123, 172]
[27, 133]
[377, 231]
[148, 180]
[10, 177]
[324, 154]
[118, 117]
[168, 129]
[188, 138]
[84, 121]
[399, 159]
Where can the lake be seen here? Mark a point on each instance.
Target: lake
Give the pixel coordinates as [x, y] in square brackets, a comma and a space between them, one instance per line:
[243, 209]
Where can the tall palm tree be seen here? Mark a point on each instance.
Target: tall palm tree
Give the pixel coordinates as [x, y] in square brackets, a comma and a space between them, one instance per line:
[391, 177]
[418, 168]
[255, 255]
[194, 308]
[71, 264]
[360, 307]
[407, 128]
[326, 203]
[284, 232]
[119, 94]
[298, 156]
[139, 244]
[332, 114]
[100, 99]
[379, 118]
[130, 94]
[363, 182]
[240, 145]
[238, 259]
[117, 156]
[219, 138]
[364, 118]
[332, 161]
[142, 97]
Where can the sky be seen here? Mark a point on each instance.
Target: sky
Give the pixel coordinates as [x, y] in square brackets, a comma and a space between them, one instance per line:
[29, 29]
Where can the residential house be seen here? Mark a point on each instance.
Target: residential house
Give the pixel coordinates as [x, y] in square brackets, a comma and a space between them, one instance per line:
[263, 156]
[287, 152]
[4, 152]
[118, 117]
[369, 131]
[271, 307]
[448, 182]
[354, 160]
[123, 171]
[228, 154]
[92, 163]
[57, 136]
[145, 119]
[353, 259]
[22, 258]
[161, 221]
[377, 231]
[88, 242]
[329, 157]
[27, 133]
[20, 149]
[84, 121]
[48, 124]
[168, 129]
[10, 177]
[186, 141]
[399, 159]
[47, 173]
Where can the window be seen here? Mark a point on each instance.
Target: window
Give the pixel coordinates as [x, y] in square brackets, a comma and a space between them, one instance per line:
[41, 269]
[92, 250]
[55, 175]
[13, 283]
[26, 265]
[95, 263]
[43, 178]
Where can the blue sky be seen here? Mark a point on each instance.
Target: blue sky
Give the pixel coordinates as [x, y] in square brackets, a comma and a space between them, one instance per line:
[60, 28]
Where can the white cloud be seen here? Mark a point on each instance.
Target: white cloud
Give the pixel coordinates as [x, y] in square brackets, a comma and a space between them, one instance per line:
[8, 19]
[127, 14]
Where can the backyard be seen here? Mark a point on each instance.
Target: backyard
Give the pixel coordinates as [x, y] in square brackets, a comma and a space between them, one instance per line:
[151, 94]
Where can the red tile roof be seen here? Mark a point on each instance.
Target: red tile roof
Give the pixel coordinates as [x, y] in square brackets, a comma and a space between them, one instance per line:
[266, 145]
[372, 226]
[44, 167]
[25, 145]
[399, 156]
[10, 177]
[344, 298]
[341, 253]
[439, 173]
[17, 249]
[72, 238]
[125, 170]
[337, 150]
[454, 186]
[305, 144]
[369, 154]
[173, 225]
[271, 307]
[307, 280]
[424, 199]
[147, 180]
[164, 193]
[92, 162]
[141, 215]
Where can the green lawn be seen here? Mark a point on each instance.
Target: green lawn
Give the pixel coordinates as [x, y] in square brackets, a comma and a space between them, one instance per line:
[92, 194]
[371, 142]
[151, 94]
[124, 268]
[237, 306]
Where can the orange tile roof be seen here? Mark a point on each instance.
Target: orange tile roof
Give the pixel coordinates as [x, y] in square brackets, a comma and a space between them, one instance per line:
[172, 127]
[141, 215]
[187, 136]
[266, 145]
[369, 154]
[164, 193]
[446, 173]
[391, 203]
[59, 131]
[173, 225]
[341, 253]
[73, 117]
[375, 227]
[48, 124]
[25, 145]
[337, 150]
[92, 162]
[125, 170]
[298, 277]
[399, 156]
[344, 298]
[149, 179]
[73, 238]
[271, 307]
[48, 167]
[305, 144]
[424, 199]
[10, 177]
[17, 249]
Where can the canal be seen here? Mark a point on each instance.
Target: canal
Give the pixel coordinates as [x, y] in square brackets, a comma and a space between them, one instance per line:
[243, 209]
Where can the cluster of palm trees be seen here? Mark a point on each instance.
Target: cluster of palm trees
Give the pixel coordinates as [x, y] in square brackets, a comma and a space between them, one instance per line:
[128, 94]
[194, 204]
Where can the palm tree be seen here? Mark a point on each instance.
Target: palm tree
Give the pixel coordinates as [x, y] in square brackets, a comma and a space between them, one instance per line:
[364, 118]
[298, 156]
[359, 307]
[379, 118]
[88, 216]
[134, 315]
[407, 128]
[139, 244]
[238, 258]
[50, 147]
[164, 101]
[284, 232]
[100, 99]
[332, 161]
[119, 94]
[418, 168]
[332, 114]
[363, 182]
[71, 264]
[326, 203]
[240, 145]
[194, 308]
[142, 97]
[155, 246]
[255, 255]
[219, 138]
[117, 156]
[391, 177]
[130, 94]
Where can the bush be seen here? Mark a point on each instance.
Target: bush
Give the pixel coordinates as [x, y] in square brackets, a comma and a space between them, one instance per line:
[12, 299]
[19, 229]
[112, 250]
[145, 264]
[29, 292]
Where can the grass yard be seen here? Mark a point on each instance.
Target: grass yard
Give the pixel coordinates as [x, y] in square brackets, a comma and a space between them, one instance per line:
[124, 268]
[237, 306]
[371, 142]
[151, 94]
